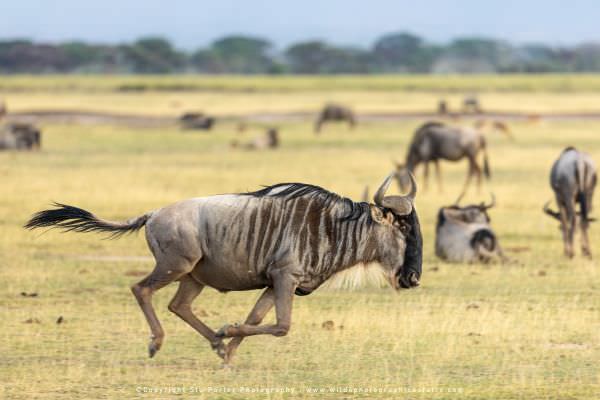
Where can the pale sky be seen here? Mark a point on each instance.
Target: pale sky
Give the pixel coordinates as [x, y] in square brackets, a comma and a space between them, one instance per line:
[191, 24]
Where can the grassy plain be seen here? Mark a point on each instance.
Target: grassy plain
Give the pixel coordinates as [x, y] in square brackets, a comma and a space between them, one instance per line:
[521, 331]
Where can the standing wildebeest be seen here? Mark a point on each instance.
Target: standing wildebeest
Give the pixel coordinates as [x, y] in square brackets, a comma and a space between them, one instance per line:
[573, 179]
[471, 104]
[463, 234]
[442, 107]
[20, 136]
[288, 238]
[434, 141]
[335, 112]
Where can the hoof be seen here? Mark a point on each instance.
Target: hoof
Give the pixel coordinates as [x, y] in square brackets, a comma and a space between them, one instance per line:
[226, 366]
[152, 349]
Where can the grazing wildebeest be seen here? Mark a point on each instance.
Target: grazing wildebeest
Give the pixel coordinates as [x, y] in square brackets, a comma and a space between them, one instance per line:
[287, 238]
[434, 141]
[270, 140]
[196, 120]
[573, 180]
[464, 234]
[471, 104]
[335, 112]
[20, 136]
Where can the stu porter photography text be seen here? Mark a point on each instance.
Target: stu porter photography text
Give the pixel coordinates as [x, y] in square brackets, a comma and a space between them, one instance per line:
[286, 389]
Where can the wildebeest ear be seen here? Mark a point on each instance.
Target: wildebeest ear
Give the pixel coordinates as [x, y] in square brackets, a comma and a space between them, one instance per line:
[377, 214]
[551, 213]
[454, 214]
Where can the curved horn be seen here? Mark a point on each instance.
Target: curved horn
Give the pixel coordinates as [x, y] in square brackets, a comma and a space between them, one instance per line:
[492, 204]
[551, 213]
[413, 187]
[402, 205]
[380, 194]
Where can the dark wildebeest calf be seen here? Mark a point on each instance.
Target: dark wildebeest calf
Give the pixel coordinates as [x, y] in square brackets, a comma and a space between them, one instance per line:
[573, 179]
[435, 141]
[196, 121]
[464, 234]
[286, 239]
[335, 112]
[20, 136]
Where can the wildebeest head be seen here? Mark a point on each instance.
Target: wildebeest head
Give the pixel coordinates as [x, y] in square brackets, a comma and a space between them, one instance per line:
[402, 176]
[399, 241]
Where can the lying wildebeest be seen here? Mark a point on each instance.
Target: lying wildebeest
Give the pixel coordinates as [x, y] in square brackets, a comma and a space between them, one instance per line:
[573, 180]
[196, 120]
[434, 141]
[463, 234]
[20, 136]
[270, 140]
[335, 112]
[288, 238]
[471, 104]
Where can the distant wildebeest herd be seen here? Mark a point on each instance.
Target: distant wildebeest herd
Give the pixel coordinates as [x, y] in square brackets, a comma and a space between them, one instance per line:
[289, 238]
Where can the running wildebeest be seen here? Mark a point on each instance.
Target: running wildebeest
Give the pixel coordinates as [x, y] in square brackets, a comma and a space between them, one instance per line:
[335, 112]
[269, 140]
[196, 120]
[20, 136]
[287, 238]
[464, 234]
[573, 179]
[471, 104]
[434, 141]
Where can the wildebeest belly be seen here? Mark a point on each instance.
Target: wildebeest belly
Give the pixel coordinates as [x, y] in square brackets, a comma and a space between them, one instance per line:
[228, 277]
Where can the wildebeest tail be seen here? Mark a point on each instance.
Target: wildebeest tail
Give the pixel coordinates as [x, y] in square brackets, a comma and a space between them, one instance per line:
[74, 219]
[581, 178]
[486, 164]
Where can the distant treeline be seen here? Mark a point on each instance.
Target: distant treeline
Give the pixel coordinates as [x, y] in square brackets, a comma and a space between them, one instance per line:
[392, 53]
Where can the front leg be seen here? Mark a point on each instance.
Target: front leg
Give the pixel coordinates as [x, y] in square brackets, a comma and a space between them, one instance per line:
[261, 308]
[284, 286]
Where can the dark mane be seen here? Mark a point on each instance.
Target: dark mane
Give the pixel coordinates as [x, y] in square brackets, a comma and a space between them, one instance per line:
[328, 199]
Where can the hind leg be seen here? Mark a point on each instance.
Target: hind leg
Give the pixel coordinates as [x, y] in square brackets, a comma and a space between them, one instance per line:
[567, 217]
[438, 175]
[181, 305]
[477, 172]
[585, 241]
[162, 275]
[468, 181]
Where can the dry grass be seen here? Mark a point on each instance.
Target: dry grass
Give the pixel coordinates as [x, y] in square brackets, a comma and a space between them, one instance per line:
[224, 103]
[528, 330]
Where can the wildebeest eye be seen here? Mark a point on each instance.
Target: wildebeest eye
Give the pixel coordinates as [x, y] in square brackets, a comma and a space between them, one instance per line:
[404, 227]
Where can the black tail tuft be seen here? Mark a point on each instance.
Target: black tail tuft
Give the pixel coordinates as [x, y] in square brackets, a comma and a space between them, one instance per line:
[583, 207]
[74, 219]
